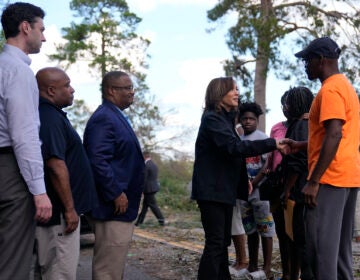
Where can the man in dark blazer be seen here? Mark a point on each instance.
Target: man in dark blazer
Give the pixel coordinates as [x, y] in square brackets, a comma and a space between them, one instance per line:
[118, 166]
[150, 189]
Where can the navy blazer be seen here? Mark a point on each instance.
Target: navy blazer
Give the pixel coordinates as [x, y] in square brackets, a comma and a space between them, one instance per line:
[116, 160]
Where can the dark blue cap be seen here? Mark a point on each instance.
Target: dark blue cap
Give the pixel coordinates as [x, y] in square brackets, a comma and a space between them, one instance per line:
[324, 46]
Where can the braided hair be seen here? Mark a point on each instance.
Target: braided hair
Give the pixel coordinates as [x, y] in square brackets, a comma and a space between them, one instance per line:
[298, 101]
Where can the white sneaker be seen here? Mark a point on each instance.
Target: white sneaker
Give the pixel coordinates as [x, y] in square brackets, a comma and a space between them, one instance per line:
[238, 273]
[258, 275]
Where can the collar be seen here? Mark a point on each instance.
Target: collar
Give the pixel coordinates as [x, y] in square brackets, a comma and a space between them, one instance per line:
[229, 115]
[45, 101]
[15, 51]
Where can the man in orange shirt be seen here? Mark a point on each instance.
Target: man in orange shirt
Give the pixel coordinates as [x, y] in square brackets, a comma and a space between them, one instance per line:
[334, 163]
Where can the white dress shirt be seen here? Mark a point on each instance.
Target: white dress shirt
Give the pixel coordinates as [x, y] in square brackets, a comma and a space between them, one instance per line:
[19, 116]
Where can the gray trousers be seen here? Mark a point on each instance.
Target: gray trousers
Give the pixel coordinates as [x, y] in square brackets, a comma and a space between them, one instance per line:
[329, 229]
[17, 224]
[357, 218]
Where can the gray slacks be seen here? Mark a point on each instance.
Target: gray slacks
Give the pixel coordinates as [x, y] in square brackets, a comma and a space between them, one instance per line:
[329, 229]
[17, 224]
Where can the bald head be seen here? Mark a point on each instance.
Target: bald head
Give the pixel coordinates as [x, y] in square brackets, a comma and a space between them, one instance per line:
[54, 85]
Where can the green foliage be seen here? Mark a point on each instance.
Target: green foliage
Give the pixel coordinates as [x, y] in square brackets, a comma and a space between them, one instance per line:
[2, 37]
[266, 30]
[104, 39]
[174, 177]
[78, 115]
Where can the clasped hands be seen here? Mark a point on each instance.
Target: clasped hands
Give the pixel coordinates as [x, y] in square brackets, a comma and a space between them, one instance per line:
[288, 146]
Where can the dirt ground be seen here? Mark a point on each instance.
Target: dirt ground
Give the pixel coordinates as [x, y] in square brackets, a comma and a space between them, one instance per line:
[173, 252]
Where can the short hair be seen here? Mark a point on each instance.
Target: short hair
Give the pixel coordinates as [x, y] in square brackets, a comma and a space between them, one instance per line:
[215, 92]
[16, 13]
[250, 107]
[298, 101]
[108, 79]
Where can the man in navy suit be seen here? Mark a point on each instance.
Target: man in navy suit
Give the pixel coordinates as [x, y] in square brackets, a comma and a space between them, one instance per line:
[118, 166]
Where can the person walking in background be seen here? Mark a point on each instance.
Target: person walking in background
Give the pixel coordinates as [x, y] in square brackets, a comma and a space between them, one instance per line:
[21, 166]
[118, 167]
[295, 172]
[219, 175]
[256, 216]
[68, 178]
[334, 163]
[151, 187]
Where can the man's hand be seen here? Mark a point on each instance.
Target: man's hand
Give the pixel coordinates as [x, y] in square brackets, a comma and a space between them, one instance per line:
[121, 204]
[283, 146]
[43, 208]
[289, 146]
[71, 219]
[310, 191]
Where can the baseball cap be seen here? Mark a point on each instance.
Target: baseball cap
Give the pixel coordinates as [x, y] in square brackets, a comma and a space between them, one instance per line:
[324, 46]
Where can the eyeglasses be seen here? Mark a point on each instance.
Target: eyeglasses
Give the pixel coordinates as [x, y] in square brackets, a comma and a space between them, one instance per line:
[128, 88]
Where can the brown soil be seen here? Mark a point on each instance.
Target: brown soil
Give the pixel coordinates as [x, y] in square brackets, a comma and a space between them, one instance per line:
[173, 252]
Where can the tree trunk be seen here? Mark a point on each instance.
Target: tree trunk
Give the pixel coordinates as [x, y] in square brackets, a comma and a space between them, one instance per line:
[260, 86]
[262, 61]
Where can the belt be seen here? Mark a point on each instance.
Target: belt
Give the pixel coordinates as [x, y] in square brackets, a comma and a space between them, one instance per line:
[6, 150]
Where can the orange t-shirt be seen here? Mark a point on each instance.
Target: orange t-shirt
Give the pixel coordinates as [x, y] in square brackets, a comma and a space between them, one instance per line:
[336, 99]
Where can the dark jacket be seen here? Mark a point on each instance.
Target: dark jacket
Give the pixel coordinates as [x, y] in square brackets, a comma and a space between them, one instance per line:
[116, 160]
[296, 164]
[151, 177]
[219, 169]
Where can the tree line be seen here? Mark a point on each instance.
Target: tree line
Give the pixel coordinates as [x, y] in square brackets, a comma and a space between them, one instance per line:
[104, 37]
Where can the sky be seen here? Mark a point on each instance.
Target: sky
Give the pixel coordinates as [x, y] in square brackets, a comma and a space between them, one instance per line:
[184, 58]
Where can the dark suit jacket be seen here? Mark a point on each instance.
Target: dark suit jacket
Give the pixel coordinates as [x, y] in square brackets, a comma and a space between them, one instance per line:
[151, 177]
[116, 160]
[219, 170]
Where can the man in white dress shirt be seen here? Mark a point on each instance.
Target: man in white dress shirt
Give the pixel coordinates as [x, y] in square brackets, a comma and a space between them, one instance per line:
[23, 198]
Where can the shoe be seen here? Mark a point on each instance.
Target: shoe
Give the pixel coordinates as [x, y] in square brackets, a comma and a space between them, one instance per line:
[258, 275]
[238, 273]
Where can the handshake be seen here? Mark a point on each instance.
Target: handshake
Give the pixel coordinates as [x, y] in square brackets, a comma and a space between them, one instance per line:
[288, 146]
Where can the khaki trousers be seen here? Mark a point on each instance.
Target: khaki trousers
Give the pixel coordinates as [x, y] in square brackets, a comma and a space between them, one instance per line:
[57, 252]
[112, 242]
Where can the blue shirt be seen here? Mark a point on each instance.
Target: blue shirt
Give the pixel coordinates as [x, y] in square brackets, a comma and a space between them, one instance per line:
[19, 116]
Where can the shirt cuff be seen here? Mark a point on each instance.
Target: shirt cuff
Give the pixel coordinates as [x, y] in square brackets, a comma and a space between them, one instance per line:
[36, 187]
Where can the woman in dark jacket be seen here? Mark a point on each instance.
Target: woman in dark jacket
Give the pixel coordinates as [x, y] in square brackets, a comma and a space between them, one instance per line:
[219, 175]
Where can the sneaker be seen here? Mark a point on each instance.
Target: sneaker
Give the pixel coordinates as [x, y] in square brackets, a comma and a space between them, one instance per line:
[258, 275]
[238, 273]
